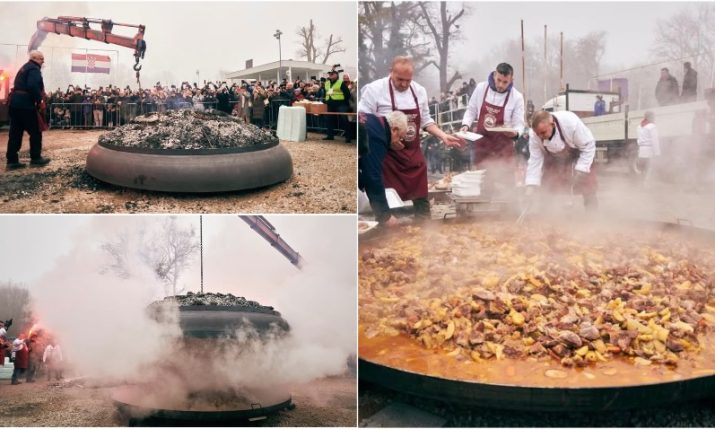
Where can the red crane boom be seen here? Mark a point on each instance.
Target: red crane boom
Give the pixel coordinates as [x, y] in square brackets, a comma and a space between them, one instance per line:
[80, 27]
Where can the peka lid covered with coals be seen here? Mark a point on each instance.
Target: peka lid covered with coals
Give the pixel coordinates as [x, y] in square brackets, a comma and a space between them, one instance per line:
[206, 315]
[188, 130]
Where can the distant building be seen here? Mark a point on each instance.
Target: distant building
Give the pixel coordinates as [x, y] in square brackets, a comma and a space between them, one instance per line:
[291, 70]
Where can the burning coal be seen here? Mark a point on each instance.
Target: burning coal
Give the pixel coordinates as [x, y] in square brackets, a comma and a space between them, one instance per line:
[187, 129]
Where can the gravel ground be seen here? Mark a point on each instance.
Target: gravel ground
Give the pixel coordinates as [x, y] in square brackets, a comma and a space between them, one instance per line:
[373, 398]
[329, 401]
[324, 181]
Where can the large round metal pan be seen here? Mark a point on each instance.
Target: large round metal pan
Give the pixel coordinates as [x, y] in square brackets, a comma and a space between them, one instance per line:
[219, 170]
[128, 400]
[542, 398]
[210, 321]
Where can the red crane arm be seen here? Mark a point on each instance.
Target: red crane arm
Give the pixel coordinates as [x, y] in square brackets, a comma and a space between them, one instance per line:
[80, 27]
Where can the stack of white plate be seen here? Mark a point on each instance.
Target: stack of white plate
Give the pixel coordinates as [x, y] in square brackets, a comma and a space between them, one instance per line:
[468, 184]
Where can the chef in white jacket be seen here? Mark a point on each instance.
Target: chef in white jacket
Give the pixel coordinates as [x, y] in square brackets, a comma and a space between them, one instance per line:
[648, 145]
[561, 153]
[404, 167]
[495, 103]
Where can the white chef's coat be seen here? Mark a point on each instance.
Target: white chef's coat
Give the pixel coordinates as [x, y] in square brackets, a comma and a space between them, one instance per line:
[375, 99]
[513, 113]
[648, 143]
[576, 135]
[53, 353]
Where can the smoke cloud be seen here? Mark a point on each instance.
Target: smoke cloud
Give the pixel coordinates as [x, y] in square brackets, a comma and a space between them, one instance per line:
[101, 319]
[100, 316]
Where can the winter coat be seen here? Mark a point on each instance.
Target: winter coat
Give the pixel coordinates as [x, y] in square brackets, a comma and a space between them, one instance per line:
[690, 85]
[28, 87]
[666, 92]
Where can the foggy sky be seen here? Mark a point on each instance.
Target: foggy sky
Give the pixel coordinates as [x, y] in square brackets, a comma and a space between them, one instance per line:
[236, 259]
[319, 301]
[183, 37]
[629, 27]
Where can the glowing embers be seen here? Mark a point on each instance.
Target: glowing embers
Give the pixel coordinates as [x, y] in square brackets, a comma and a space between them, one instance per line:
[189, 151]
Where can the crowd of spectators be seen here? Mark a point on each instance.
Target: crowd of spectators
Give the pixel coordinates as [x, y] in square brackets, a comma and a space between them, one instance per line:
[446, 109]
[252, 101]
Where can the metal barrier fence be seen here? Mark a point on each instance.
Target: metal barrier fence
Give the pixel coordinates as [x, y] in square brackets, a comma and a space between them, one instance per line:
[450, 112]
[111, 115]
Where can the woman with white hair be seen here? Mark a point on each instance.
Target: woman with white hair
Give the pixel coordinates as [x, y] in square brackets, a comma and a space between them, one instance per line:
[377, 135]
[648, 146]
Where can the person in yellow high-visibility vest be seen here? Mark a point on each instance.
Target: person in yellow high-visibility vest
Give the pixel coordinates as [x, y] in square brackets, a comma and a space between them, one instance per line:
[337, 96]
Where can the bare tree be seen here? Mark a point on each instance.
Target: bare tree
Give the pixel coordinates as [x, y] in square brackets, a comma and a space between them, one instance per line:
[309, 46]
[117, 250]
[689, 35]
[443, 29]
[167, 253]
[332, 47]
[307, 50]
[14, 304]
[385, 31]
[172, 251]
[582, 59]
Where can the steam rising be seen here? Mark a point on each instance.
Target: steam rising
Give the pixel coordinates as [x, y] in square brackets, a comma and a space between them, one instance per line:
[102, 323]
[100, 318]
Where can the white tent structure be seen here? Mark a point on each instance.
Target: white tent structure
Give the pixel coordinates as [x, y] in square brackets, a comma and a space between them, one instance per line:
[291, 69]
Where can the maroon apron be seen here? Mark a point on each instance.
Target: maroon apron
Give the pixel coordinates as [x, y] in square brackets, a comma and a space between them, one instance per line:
[406, 169]
[559, 169]
[493, 146]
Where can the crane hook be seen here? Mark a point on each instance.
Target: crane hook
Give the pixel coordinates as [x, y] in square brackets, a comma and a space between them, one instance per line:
[137, 67]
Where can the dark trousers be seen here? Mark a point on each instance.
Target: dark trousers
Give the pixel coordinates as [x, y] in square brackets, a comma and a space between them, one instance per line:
[32, 371]
[370, 169]
[336, 121]
[257, 122]
[54, 373]
[17, 373]
[21, 121]
[422, 208]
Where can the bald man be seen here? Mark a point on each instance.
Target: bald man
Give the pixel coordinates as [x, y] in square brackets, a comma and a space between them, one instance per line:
[404, 167]
[26, 98]
[562, 150]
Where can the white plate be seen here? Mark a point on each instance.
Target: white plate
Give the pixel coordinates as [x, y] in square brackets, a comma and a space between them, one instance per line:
[365, 226]
[500, 130]
[393, 198]
[468, 135]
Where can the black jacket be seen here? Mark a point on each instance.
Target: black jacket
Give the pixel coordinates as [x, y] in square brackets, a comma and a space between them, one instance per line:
[28, 88]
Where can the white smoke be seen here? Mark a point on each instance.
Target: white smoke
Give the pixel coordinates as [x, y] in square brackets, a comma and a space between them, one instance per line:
[101, 319]
[104, 328]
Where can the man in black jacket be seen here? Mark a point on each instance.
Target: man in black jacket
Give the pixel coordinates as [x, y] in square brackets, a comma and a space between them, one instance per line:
[378, 135]
[26, 97]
